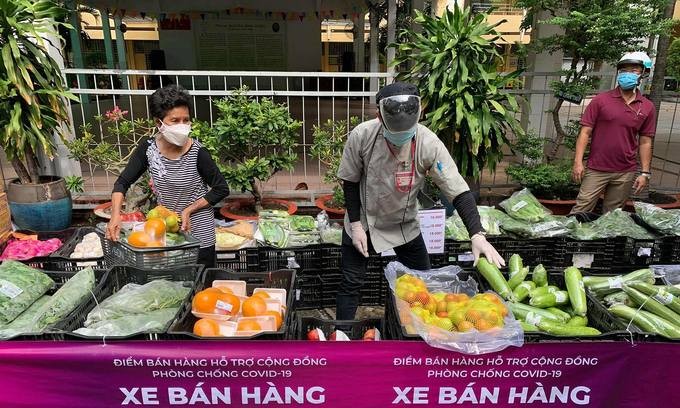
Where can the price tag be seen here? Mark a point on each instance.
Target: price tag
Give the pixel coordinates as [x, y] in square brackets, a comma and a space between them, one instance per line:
[616, 282]
[466, 257]
[519, 206]
[646, 252]
[560, 297]
[9, 289]
[223, 306]
[663, 297]
[297, 294]
[228, 255]
[582, 260]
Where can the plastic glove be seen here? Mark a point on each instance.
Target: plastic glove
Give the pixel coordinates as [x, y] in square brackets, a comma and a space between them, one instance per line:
[480, 246]
[359, 238]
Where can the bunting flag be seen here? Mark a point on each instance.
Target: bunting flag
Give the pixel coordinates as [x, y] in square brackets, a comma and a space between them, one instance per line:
[242, 11]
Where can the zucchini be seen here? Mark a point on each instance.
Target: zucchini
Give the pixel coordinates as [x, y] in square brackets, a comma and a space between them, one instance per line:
[540, 276]
[659, 294]
[515, 264]
[543, 290]
[522, 290]
[518, 278]
[577, 292]
[559, 329]
[495, 278]
[675, 291]
[671, 330]
[522, 311]
[529, 328]
[614, 283]
[639, 320]
[618, 298]
[561, 314]
[578, 321]
[652, 305]
[550, 299]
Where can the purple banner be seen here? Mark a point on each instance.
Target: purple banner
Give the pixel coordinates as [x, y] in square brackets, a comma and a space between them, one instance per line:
[336, 374]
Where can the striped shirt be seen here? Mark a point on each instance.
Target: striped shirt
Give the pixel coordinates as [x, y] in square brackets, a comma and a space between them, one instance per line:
[179, 183]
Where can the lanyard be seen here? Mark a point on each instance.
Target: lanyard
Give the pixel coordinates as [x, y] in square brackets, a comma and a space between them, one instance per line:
[413, 166]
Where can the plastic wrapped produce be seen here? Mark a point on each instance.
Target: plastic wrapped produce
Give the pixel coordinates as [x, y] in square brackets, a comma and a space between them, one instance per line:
[20, 286]
[522, 205]
[666, 222]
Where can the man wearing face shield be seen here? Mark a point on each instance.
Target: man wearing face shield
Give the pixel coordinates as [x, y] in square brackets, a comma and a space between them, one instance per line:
[383, 168]
[620, 125]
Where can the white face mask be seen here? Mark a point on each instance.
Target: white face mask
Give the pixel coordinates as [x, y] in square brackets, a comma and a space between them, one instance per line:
[175, 134]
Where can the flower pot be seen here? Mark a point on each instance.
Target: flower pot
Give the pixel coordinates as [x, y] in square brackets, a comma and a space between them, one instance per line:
[46, 206]
[231, 208]
[104, 211]
[666, 206]
[321, 203]
[558, 207]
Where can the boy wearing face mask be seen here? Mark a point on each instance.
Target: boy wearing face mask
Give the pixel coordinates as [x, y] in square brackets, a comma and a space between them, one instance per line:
[383, 167]
[621, 124]
[184, 175]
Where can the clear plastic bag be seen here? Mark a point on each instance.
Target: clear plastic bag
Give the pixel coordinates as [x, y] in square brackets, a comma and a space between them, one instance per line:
[615, 223]
[667, 222]
[522, 205]
[331, 233]
[551, 226]
[446, 280]
[455, 228]
[151, 322]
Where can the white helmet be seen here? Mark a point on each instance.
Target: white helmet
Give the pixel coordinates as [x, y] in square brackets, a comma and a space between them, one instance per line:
[637, 58]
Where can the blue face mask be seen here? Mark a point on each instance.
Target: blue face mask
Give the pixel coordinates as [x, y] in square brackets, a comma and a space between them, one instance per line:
[628, 80]
[399, 138]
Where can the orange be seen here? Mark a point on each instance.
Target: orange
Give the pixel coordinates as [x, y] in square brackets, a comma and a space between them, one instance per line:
[227, 304]
[465, 326]
[248, 325]
[155, 228]
[277, 317]
[254, 306]
[222, 289]
[473, 315]
[139, 239]
[204, 301]
[207, 328]
[484, 325]
[263, 295]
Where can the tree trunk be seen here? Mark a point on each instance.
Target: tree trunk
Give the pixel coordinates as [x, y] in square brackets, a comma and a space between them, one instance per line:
[21, 171]
[257, 194]
[32, 165]
[559, 131]
[661, 59]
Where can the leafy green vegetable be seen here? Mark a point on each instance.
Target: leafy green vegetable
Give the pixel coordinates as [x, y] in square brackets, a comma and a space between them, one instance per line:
[616, 223]
[150, 322]
[23, 323]
[523, 206]
[489, 216]
[332, 235]
[667, 222]
[71, 294]
[273, 233]
[134, 299]
[20, 286]
[551, 226]
[302, 223]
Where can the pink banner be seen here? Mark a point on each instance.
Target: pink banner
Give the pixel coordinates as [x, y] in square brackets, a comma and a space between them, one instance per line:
[335, 374]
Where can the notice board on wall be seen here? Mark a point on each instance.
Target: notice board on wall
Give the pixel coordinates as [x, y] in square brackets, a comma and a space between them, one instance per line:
[244, 45]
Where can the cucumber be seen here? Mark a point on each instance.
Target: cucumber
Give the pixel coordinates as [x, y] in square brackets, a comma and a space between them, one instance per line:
[578, 321]
[660, 294]
[550, 299]
[529, 328]
[671, 330]
[559, 329]
[522, 290]
[652, 305]
[615, 283]
[495, 278]
[561, 314]
[543, 290]
[521, 311]
[518, 278]
[639, 320]
[540, 276]
[577, 292]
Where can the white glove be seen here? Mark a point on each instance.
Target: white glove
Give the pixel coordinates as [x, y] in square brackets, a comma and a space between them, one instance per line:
[359, 238]
[480, 246]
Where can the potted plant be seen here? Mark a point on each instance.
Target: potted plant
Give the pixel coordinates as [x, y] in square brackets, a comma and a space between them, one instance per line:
[33, 107]
[550, 182]
[99, 153]
[454, 62]
[251, 140]
[327, 147]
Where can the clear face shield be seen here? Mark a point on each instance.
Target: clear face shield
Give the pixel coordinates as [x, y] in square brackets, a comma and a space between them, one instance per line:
[400, 113]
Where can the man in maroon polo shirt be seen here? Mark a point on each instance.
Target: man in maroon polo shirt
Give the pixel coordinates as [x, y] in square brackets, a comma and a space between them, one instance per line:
[621, 124]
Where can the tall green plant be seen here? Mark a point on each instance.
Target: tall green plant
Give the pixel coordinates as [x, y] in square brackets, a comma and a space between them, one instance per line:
[32, 90]
[454, 64]
[591, 31]
[251, 140]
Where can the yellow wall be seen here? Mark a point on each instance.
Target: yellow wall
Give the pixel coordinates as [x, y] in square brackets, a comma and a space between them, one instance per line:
[136, 31]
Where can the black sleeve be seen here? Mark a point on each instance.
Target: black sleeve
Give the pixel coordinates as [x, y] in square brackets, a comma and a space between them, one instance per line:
[467, 209]
[137, 165]
[352, 200]
[212, 177]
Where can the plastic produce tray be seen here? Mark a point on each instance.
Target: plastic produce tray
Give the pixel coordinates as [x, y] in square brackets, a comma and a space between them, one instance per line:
[241, 260]
[120, 276]
[354, 329]
[121, 253]
[61, 259]
[282, 279]
[61, 277]
[44, 262]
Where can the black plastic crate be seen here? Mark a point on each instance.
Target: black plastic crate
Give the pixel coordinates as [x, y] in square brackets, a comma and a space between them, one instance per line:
[669, 250]
[455, 253]
[120, 276]
[44, 262]
[272, 259]
[354, 329]
[643, 252]
[594, 256]
[121, 253]
[331, 256]
[61, 259]
[241, 260]
[308, 291]
[60, 278]
[282, 279]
